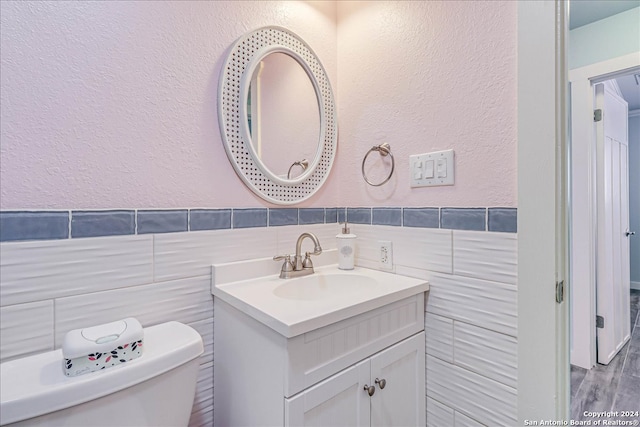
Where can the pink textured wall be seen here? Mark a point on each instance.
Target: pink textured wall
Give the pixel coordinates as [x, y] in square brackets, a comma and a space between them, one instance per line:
[113, 104]
[428, 76]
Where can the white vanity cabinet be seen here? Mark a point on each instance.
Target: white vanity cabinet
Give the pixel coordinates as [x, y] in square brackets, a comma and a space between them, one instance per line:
[397, 377]
[318, 378]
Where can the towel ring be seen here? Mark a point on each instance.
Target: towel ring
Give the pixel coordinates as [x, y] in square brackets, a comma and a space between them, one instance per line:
[384, 150]
[304, 164]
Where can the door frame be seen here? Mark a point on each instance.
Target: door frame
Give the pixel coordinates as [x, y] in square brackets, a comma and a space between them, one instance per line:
[543, 210]
[583, 199]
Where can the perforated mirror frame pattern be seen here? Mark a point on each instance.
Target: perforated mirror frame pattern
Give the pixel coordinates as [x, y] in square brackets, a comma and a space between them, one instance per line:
[230, 99]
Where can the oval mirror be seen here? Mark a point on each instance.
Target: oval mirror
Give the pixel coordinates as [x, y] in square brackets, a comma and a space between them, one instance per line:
[283, 117]
[277, 115]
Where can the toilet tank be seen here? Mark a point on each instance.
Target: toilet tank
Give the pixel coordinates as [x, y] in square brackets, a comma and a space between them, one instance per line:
[156, 389]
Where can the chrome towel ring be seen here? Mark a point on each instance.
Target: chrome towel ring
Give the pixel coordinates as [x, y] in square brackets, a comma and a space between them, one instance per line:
[384, 150]
[304, 164]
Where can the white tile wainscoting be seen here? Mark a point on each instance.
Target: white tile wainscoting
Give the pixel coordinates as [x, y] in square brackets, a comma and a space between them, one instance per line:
[48, 287]
[471, 317]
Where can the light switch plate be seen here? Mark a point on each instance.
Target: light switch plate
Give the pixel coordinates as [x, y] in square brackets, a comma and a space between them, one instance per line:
[432, 169]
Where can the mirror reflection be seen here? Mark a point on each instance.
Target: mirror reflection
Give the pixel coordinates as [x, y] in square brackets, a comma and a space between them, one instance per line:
[283, 116]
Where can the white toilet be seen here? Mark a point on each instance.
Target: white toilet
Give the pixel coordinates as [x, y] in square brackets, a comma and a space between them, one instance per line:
[156, 389]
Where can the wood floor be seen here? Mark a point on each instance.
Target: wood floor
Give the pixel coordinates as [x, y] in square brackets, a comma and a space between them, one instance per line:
[613, 387]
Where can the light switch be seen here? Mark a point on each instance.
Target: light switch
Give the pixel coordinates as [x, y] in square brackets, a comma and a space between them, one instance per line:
[432, 169]
[442, 168]
[428, 170]
[417, 170]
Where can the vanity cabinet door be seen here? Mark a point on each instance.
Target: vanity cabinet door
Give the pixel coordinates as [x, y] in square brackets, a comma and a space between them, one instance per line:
[340, 400]
[401, 369]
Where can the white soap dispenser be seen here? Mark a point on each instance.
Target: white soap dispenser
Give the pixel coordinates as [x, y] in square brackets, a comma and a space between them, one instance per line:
[346, 248]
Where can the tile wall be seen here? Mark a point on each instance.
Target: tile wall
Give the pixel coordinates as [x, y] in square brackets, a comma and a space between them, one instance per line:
[471, 317]
[67, 269]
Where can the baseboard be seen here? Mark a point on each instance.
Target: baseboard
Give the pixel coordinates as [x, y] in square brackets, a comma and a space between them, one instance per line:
[635, 285]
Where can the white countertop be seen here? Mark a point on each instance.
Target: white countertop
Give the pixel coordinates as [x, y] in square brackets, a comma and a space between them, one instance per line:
[258, 297]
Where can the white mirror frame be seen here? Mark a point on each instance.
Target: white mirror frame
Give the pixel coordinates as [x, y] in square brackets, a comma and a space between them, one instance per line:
[235, 79]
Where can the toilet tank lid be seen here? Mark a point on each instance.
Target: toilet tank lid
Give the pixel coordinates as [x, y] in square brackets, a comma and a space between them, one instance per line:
[36, 385]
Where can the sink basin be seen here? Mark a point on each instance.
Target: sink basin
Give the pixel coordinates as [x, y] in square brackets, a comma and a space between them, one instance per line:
[296, 306]
[322, 286]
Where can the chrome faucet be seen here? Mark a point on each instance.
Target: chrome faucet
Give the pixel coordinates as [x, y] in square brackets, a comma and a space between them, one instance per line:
[299, 267]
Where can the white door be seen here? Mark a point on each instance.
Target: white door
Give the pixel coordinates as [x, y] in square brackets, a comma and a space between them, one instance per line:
[399, 376]
[340, 400]
[612, 289]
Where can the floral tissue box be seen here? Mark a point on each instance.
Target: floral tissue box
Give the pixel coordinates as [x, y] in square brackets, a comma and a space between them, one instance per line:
[103, 346]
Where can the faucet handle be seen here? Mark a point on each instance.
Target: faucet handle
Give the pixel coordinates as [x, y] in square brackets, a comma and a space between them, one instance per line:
[287, 265]
[307, 263]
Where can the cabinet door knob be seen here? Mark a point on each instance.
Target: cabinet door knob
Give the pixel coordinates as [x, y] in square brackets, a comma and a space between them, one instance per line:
[381, 383]
[370, 389]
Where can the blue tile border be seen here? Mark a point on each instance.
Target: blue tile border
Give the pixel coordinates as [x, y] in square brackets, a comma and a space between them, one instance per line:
[503, 220]
[43, 225]
[209, 219]
[49, 225]
[311, 216]
[279, 217]
[330, 215]
[421, 217]
[387, 216]
[248, 218]
[359, 215]
[167, 221]
[102, 223]
[463, 218]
